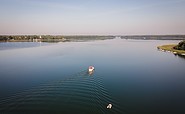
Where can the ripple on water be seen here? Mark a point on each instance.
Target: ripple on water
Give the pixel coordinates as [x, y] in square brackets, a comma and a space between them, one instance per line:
[80, 93]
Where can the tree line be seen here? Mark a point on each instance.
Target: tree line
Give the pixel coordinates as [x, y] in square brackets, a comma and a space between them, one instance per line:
[180, 46]
[51, 38]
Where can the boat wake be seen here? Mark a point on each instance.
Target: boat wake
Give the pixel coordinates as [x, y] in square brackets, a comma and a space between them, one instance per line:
[79, 93]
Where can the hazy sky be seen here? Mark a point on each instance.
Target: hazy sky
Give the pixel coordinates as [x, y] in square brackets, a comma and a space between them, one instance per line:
[100, 17]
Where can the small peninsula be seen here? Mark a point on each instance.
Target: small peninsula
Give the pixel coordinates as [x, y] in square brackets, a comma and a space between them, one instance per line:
[177, 49]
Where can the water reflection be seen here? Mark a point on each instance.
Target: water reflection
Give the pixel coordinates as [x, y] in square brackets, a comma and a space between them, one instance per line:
[16, 45]
[174, 53]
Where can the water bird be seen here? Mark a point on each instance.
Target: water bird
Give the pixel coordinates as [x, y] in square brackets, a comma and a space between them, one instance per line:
[109, 106]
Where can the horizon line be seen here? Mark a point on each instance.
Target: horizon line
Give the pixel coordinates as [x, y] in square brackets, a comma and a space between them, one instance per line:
[92, 34]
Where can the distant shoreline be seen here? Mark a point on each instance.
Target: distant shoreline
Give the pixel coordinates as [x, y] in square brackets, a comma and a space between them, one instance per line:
[78, 38]
[50, 38]
[155, 37]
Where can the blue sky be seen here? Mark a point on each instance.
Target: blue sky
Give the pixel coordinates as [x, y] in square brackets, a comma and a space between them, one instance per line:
[92, 17]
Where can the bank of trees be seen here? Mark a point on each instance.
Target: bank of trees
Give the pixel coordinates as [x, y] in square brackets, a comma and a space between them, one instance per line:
[52, 38]
[180, 46]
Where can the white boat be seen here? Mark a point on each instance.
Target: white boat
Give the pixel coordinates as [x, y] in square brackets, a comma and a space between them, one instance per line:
[183, 54]
[109, 106]
[91, 69]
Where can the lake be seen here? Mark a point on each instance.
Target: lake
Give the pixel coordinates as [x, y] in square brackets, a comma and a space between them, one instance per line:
[132, 75]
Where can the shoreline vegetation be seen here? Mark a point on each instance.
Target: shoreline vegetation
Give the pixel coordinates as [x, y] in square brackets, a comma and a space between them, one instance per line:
[50, 38]
[176, 49]
[81, 38]
[155, 37]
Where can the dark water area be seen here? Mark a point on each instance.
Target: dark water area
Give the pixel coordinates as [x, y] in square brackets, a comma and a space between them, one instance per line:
[132, 75]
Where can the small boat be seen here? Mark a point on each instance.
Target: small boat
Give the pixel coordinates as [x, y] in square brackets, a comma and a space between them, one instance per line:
[91, 69]
[183, 54]
[109, 106]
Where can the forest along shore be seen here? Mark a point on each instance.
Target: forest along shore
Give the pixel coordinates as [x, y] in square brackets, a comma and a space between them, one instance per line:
[155, 37]
[81, 38]
[50, 38]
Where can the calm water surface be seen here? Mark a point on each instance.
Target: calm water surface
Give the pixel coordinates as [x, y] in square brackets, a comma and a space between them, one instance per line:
[16, 45]
[132, 75]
